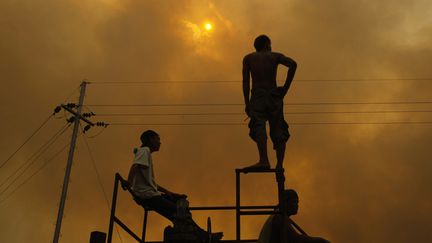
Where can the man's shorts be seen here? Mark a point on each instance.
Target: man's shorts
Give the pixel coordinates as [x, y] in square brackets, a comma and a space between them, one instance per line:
[267, 105]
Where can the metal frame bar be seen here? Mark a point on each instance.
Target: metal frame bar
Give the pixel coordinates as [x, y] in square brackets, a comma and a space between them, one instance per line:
[144, 225]
[237, 205]
[131, 233]
[114, 219]
[113, 208]
[281, 187]
[250, 210]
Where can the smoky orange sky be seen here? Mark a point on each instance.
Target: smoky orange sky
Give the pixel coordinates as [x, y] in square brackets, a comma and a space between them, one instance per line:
[358, 183]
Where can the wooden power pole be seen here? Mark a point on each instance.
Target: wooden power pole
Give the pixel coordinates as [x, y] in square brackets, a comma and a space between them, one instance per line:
[77, 119]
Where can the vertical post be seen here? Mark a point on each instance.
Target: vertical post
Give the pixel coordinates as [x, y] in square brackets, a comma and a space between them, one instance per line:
[237, 205]
[144, 225]
[69, 164]
[113, 208]
[209, 230]
[280, 178]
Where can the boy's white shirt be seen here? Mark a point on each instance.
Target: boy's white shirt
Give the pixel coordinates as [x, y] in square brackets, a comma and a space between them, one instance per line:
[143, 184]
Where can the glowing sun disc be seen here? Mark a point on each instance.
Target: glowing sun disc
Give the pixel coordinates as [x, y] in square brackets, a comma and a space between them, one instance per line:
[208, 26]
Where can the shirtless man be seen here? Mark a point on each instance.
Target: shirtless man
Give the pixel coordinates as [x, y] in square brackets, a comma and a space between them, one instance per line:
[272, 231]
[266, 102]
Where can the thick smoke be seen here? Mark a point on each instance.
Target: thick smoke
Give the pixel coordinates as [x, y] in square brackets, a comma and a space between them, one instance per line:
[357, 183]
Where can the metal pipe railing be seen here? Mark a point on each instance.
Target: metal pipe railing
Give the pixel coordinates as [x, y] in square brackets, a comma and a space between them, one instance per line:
[252, 210]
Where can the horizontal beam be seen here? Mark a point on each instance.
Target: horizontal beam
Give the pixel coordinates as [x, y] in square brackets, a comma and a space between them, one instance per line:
[76, 114]
[231, 207]
[227, 241]
[245, 171]
[267, 212]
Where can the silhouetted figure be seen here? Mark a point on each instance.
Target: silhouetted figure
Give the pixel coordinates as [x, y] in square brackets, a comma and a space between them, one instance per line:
[266, 101]
[148, 193]
[272, 229]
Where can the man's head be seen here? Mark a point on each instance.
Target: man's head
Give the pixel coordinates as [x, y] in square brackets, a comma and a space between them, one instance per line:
[150, 139]
[262, 43]
[292, 201]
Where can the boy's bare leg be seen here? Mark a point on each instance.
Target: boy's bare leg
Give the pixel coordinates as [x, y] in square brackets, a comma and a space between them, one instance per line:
[262, 150]
[263, 162]
[280, 177]
[280, 155]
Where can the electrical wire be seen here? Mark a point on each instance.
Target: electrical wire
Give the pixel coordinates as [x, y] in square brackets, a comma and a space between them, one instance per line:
[54, 137]
[97, 134]
[33, 159]
[242, 113]
[36, 172]
[288, 104]
[73, 92]
[99, 178]
[26, 141]
[96, 171]
[291, 123]
[240, 82]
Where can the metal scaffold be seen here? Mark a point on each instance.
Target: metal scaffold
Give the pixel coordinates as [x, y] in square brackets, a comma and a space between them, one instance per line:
[239, 209]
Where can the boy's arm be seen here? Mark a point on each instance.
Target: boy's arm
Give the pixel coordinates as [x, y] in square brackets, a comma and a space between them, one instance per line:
[292, 67]
[133, 170]
[164, 190]
[246, 83]
[276, 230]
[169, 193]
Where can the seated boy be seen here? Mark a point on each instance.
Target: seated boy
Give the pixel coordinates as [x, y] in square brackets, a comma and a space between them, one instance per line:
[147, 192]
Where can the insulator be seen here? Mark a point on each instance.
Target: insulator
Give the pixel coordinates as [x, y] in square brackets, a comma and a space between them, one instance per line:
[57, 109]
[86, 128]
[101, 124]
[88, 114]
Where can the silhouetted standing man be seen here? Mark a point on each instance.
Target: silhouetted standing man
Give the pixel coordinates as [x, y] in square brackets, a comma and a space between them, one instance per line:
[266, 101]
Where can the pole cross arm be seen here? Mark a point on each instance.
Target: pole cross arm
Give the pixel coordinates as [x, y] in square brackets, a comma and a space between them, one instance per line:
[77, 115]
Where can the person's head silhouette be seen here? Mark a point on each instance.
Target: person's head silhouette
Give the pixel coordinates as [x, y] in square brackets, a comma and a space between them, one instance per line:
[150, 139]
[262, 43]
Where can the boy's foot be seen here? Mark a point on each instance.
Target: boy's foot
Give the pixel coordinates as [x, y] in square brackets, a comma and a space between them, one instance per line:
[258, 166]
[216, 236]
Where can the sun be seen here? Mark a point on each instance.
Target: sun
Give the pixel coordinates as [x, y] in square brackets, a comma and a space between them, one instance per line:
[208, 26]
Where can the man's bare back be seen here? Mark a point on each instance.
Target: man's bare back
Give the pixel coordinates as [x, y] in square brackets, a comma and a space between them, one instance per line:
[263, 67]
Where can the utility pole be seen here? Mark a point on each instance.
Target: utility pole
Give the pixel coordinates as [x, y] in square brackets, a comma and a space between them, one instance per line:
[77, 119]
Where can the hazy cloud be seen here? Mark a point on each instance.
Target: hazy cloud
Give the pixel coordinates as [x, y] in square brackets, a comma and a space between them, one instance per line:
[357, 183]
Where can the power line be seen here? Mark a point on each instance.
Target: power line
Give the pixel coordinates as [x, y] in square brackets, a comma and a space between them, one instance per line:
[46, 146]
[43, 147]
[25, 142]
[288, 104]
[239, 81]
[242, 113]
[99, 179]
[291, 123]
[37, 171]
[72, 93]
[96, 170]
